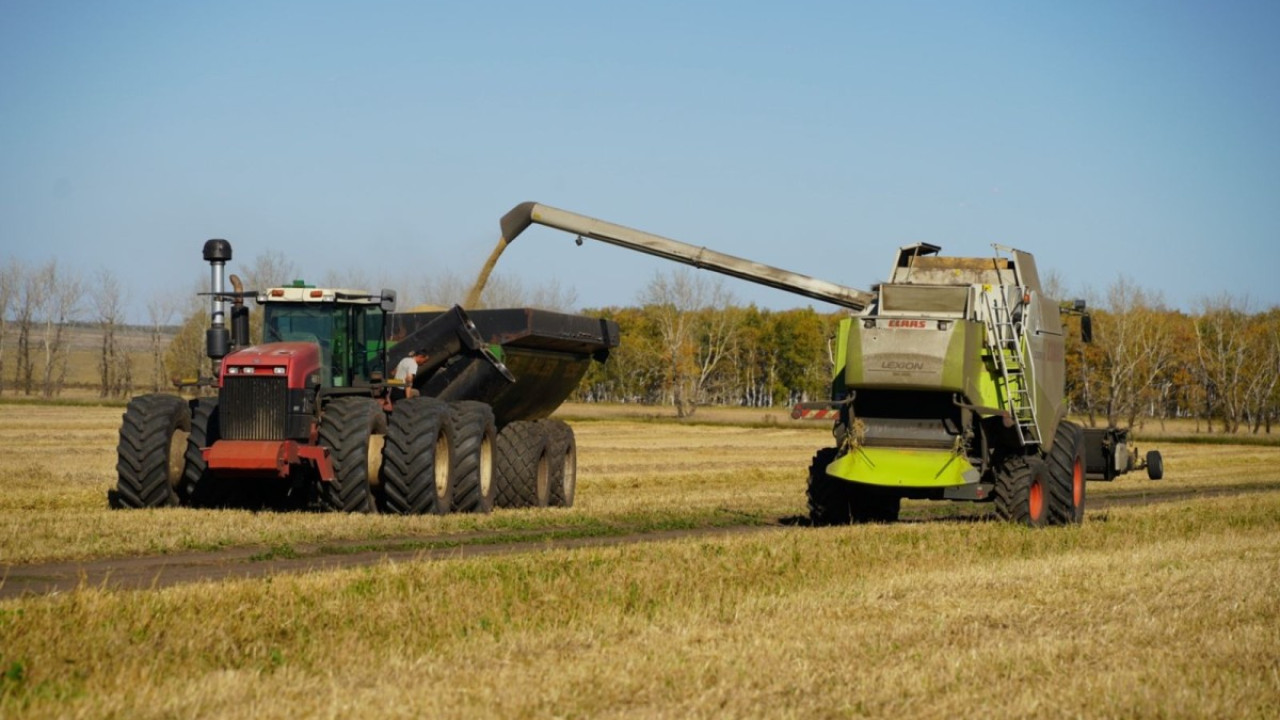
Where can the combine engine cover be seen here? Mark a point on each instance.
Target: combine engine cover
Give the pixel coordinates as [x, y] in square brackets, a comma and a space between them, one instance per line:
[957, 359]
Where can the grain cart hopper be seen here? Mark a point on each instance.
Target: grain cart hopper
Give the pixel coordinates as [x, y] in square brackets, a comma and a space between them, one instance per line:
[306, 419]
[948, 380]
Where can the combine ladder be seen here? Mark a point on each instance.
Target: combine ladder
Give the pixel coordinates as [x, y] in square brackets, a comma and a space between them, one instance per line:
[1006, 337]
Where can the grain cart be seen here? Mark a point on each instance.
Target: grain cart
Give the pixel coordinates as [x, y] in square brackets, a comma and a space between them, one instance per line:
[948, 380]
[306, 419]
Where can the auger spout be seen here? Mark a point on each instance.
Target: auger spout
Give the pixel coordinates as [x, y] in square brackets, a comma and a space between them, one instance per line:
[519, 218]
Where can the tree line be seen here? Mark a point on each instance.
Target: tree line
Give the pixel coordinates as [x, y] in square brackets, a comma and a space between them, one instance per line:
[43, 305]
[686, 343]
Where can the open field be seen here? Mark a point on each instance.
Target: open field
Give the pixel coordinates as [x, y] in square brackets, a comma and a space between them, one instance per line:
[1166, 610]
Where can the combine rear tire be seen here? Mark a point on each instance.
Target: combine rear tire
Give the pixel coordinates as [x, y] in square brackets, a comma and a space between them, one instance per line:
[830, 499]
[562, 457]
[1066, 475]
[833, 501]
[1155, 465]
[353, 429]
[472, 464]
[1022, 492]
[416, 458]
[521, 469]
[199, 487]
[871, 505]
[153, 438]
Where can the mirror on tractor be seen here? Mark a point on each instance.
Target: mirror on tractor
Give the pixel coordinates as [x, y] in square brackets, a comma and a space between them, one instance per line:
[1086, 328]
[388, 300]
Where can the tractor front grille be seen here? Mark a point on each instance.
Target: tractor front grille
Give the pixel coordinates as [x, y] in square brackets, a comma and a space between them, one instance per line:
[254, 408]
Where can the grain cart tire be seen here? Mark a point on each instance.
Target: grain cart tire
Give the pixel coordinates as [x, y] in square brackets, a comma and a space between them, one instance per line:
[521, 466]
[353, 428]
[1066, 463]
[200, 488]
[1155, 465]
[1022, 492]
[562, 455]
[153, 438]
[416, 458]
[472, 468]
[830, 499]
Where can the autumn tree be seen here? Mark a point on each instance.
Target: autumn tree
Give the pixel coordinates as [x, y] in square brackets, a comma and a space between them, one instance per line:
[10, 278]
[1222, 351]
[696, 328]
[115, 366]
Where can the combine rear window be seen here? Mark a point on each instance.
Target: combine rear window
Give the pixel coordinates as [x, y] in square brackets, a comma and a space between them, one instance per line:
[924, 300]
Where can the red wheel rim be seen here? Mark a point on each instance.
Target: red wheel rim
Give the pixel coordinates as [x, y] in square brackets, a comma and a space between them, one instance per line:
[1077, 483]
[1036, 500]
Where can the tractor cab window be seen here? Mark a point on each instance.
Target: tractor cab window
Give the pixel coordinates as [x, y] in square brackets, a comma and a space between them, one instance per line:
[350, 347]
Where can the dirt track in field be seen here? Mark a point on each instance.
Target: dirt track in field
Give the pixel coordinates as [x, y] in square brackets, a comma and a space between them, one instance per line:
[144, 572]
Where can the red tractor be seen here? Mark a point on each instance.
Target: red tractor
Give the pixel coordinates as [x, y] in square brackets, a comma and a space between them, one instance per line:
[306, 418]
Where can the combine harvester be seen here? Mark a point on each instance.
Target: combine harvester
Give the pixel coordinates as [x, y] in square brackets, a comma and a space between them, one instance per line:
[307, 418]
[948, 380]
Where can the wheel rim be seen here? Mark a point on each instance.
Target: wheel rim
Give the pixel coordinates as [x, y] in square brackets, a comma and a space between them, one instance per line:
[373, 458]
[1036, 500]
[177, 456]
[486, 464]
[570, 473]
[442, 470]
[543, 480]
[1077, 483]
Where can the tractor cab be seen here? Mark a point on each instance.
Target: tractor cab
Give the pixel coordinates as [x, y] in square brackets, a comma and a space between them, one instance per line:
[348, 326]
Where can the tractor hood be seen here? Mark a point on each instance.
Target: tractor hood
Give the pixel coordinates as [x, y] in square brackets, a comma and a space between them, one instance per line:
[295, 361]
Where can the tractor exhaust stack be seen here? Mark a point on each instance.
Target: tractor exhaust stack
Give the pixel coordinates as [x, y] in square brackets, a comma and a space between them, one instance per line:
[217, 253]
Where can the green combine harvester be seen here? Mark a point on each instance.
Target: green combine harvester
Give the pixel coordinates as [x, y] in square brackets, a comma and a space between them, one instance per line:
[948, 380]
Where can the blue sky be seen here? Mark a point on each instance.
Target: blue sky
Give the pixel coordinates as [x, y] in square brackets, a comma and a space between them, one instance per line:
[1136, 138]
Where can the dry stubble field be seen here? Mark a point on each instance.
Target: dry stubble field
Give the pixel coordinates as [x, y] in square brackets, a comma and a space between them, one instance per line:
[1169, 609]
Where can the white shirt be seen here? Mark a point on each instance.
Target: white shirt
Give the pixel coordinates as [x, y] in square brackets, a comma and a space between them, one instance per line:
[406, 368]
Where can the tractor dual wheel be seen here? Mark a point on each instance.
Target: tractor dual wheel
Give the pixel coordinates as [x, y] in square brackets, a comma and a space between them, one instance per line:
[353, 428]
[1066, 475]
[471, 471]
[562, 457]
[416, 458]
[521, 474]
[149, 456]
[201, 488]
[1022, 492]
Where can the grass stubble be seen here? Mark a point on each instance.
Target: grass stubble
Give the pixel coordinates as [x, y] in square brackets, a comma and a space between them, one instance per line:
[1169, 610]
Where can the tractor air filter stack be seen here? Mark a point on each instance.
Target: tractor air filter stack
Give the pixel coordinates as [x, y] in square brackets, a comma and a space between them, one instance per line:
[218, 338]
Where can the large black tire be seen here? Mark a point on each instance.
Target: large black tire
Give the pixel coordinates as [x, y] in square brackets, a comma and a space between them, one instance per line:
[200, 488]
[830, 499]
[149, 456]
[1155, 465]
[872, 505]
[521, 471]
[1066, 475]
[1022, 492]
[833, 501]
[416, 458]
[562, 459]
[472, 468]
[353, 429]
